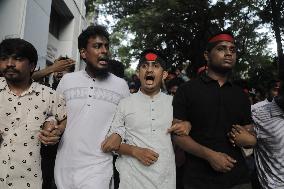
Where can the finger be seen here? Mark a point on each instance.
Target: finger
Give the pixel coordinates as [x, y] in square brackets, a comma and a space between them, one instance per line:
[46, 133]
[48, 139]
[152, 158]
[103, 145]
[237, 128]
[232, 141]
[230, 159]
[172, 128]
[231, 135]
[154, 154]
[56, 132]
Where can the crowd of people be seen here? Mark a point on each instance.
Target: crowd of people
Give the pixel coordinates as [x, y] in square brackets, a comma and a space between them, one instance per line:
[165, 130]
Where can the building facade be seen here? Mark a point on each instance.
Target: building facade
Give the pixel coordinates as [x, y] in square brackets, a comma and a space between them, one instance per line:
[52, 26]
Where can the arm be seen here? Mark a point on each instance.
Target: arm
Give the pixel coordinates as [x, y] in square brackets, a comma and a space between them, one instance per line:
[57, 66]
[243, 136]
[180, 127]
[220, 162]
[146, 156]
[51, 132]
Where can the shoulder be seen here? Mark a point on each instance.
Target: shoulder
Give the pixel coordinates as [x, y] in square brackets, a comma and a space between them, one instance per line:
[260, 105]
[117, 80]
[166, 97]
[261, 110]
[73, 75]
[45, 89]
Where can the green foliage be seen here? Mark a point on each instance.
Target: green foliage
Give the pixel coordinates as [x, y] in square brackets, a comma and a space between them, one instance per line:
[180, 28]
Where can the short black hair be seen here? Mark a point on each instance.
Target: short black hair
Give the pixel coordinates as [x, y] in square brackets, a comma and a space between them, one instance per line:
[91, 31]
[160, 58]
[117, 68]
[20, 48]
[174, 82]
[211, 45]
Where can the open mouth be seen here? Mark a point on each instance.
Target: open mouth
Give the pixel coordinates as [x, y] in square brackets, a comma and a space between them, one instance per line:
[103, 60]
[149, 79]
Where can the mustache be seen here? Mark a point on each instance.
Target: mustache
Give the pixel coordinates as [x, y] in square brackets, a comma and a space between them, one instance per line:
[10, 70]
[104, 58]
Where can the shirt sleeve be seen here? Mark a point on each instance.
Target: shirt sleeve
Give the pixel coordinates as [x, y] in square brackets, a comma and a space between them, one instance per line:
[58, 107]
[126, 90]
[118, 123]
[60, 88]
[180, 100]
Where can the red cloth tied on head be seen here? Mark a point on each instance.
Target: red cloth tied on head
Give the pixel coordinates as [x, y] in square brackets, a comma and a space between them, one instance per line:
[221, 37]
[151, 57]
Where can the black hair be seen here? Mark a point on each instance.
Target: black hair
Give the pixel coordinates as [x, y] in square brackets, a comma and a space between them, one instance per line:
[161, 59]
[174, 82]
[91, 31]
[211, 45]
[19, 48]
[117, 68]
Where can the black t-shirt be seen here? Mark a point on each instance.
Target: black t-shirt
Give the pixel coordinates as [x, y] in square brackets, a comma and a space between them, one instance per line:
[212, 110]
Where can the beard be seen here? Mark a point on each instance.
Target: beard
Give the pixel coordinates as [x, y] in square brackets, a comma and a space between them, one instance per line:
[11, 78]
[99, 73]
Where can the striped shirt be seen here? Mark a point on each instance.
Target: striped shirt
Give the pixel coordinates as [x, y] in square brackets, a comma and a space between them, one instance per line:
[269, 152]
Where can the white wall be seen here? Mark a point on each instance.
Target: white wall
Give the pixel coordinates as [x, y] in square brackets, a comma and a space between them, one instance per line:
[67, 42]
[37, 26]
[12, 16]
[29, 19]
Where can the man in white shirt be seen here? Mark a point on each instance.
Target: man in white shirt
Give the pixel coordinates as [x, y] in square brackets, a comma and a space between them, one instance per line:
[143, 120]
[92, 96]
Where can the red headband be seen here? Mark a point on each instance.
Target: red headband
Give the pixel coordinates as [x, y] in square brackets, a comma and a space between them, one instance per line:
[151, 57]
[221, 37]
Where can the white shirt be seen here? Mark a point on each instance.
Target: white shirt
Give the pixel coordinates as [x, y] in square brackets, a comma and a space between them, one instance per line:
[21, 120]
[91, 105]
[269, 153]
[143, 121]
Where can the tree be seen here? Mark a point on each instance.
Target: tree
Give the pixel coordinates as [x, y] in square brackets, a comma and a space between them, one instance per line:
[180, 28]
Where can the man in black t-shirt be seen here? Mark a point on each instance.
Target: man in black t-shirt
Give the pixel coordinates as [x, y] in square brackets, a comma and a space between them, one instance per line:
[213, 104]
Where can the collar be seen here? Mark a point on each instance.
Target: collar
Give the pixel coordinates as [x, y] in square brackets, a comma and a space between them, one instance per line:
[275, 110]
[32, 88]
[148, 97]
[3, 83]
[206, 79]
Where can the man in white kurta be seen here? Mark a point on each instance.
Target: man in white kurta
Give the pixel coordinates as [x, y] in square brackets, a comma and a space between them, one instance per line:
[142, 121]
[145, 121]
[92, 96]
[91, 105]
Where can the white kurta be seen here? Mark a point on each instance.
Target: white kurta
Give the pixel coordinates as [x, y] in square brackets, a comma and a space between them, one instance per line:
[143, 121]
[91, 105]
[21, 120]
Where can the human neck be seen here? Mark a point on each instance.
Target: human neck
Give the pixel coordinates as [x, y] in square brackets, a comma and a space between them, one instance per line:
[151, 94]
[90, 72]
[19, 87]
[221, 78]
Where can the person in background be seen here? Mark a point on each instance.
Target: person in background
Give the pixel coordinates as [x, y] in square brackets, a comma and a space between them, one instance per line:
[48, 153]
